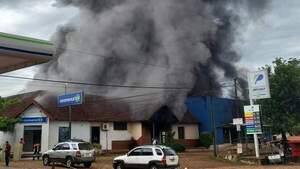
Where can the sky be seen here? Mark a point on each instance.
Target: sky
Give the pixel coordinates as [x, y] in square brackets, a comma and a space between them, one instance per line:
[276, 34]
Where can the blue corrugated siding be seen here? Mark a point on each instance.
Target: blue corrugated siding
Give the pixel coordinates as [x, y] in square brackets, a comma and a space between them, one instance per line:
[223, 108]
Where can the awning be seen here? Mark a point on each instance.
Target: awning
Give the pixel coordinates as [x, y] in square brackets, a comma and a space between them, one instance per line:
[18, 52]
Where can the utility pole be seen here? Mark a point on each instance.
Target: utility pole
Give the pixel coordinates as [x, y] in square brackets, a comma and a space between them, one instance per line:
[238, 115]
[70, 113]
[213, 125]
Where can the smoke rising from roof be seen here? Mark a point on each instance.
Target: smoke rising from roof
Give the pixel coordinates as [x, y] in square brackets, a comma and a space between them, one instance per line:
[151, 43]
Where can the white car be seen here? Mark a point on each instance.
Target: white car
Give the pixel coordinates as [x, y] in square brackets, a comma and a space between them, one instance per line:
[148, 157]
[70, 153]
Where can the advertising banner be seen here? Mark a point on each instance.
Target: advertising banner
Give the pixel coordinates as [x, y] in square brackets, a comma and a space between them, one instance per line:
[258, 83]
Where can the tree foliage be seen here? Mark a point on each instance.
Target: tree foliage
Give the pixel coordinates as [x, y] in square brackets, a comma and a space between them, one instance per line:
[282, 111]
[7, 124]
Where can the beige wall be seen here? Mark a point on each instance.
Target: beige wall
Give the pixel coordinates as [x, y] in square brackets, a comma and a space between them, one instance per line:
[135, 129]
[191, 131]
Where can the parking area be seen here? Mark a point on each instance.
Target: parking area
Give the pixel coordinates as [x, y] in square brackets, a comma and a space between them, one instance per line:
[199, 160]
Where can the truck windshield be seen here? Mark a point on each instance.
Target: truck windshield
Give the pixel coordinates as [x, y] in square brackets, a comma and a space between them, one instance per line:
[85, 146]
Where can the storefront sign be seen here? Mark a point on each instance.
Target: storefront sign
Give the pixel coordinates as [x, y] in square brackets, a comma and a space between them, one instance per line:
[70, 99]
[258, 83]
[34, 120]
[252, 119]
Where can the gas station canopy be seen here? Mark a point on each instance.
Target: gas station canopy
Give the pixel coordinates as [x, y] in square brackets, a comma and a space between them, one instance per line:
[18, 52]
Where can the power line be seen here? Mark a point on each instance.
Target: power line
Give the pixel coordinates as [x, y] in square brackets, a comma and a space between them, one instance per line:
[99, 84]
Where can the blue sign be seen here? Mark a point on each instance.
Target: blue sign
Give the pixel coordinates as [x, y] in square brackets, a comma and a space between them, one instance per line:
[70, 99]
[34, 120]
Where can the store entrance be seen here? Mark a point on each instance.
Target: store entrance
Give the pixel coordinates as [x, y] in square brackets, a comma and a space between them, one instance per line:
[32, 135]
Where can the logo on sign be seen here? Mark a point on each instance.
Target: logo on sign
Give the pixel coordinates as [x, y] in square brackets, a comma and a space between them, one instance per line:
[258, 78]
[70, 99]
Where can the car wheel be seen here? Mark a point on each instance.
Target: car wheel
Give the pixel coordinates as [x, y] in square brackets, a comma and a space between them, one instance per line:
[69, 162]
[119, 166]
[46, 160]
[87, 165]
[153, 167]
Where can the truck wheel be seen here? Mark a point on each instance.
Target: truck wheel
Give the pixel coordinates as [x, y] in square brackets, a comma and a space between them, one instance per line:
[69, 162]
[46, 160]
[87, 165]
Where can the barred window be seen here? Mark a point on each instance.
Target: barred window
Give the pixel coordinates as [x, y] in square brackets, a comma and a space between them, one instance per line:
[120, 126]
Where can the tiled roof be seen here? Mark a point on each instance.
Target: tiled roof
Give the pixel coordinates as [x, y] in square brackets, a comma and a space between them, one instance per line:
[94, 109]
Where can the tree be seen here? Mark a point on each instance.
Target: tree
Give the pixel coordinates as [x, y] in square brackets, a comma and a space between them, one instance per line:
[7, 124]
[282, 111]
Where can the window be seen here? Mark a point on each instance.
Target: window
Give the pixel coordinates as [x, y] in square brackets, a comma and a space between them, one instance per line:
[74, 146]
[63, 134]
[147, 152]
[57, 147]
[169, 152]
[181, 134]
[136, 152]
[120, 126]
[158, 152]
[85, 146]
[65, 147]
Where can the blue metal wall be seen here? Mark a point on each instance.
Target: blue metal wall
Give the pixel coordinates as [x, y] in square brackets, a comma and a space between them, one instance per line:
[201, 108]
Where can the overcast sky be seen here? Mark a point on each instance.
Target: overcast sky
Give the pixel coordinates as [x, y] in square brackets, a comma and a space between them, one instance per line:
[277, 34]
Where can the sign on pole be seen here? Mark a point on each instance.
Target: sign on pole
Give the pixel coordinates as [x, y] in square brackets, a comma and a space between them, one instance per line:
[258, 83]
[252, 119]
[237, 121]
[70, 99]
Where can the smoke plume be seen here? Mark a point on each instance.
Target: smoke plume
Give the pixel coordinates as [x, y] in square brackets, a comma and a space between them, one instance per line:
[167, 43]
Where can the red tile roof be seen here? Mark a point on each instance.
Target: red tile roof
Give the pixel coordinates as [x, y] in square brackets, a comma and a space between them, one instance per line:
[94, 109]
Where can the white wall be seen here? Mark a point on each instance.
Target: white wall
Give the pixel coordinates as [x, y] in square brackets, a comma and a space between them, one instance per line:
[33, 111]
[6, 136]
[79, 130]
[82, 130]
[113, 135]
[191, 131]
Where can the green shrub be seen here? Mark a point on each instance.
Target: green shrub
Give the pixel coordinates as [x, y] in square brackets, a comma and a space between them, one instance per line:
[177, 147]
[206, 139]
[97, 146]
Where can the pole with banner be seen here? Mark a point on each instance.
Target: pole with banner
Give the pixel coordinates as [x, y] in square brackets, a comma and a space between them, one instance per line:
[68, 100]
[258, 83]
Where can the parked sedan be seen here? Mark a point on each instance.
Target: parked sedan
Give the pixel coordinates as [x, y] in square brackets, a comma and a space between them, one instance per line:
[70, 153]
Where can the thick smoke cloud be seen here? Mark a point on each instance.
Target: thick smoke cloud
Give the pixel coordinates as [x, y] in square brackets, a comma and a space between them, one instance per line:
[151, 43]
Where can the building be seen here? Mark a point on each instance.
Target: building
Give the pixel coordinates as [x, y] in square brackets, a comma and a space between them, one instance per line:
[224, 111]
[18, 52]
[98, 120]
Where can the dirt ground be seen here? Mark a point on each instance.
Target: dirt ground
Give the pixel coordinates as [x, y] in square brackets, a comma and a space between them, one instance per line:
[199, 160]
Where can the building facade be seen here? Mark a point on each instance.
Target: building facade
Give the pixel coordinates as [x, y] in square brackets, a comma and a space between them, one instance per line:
[44, 123]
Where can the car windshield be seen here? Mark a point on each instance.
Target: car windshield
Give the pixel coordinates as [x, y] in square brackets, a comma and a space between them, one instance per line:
[169, 152]
[85, 146]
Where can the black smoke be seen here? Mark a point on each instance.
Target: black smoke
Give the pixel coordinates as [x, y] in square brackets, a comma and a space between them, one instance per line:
[182, 43]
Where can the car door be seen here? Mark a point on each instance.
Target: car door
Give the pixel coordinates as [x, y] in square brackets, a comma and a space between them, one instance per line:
[146, 157]
[132, 160]
[63, 152]
[55, 152]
